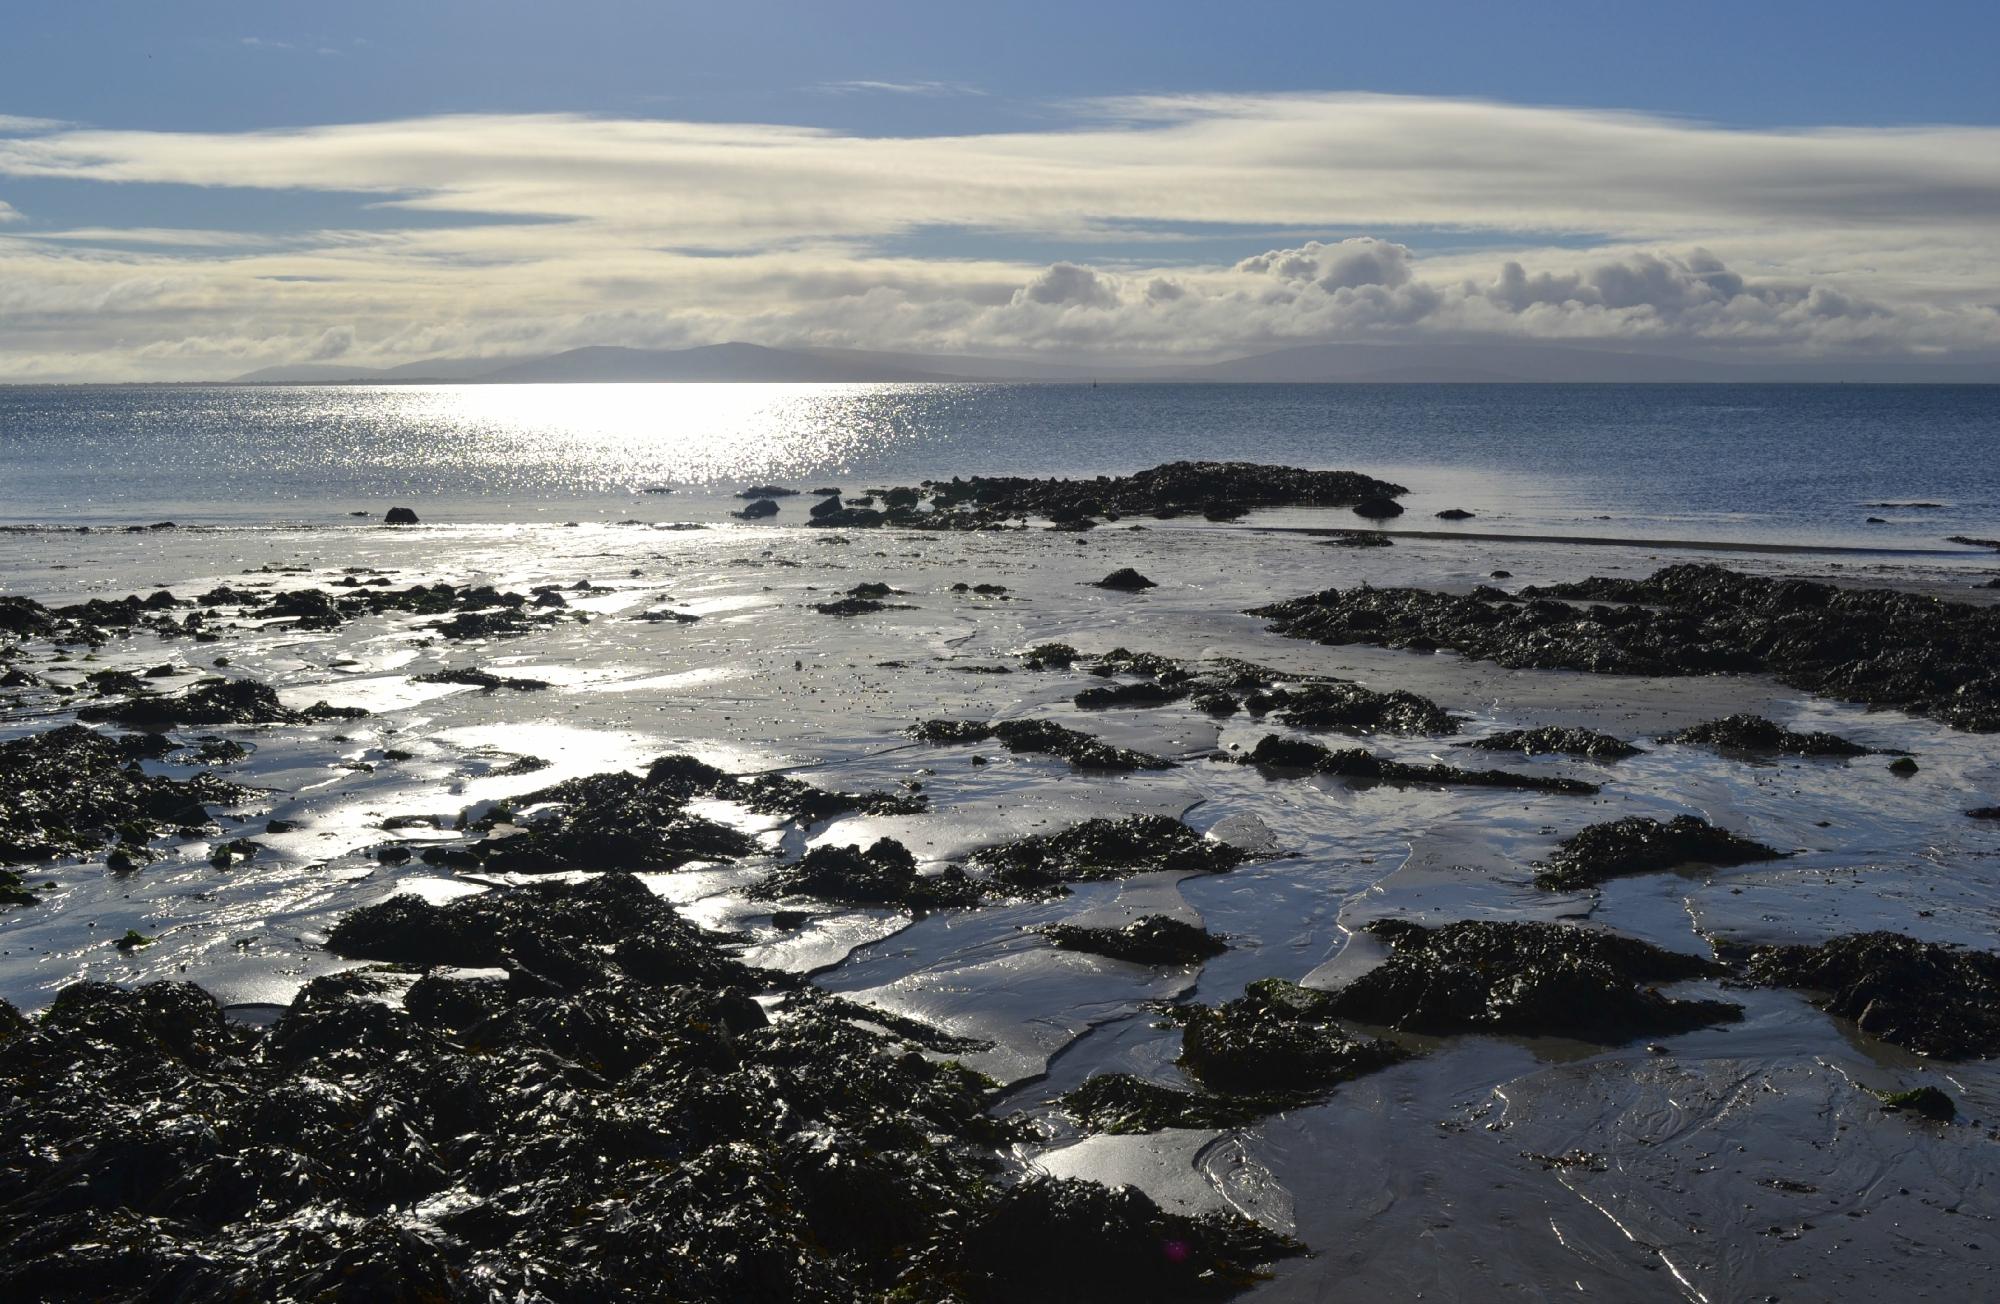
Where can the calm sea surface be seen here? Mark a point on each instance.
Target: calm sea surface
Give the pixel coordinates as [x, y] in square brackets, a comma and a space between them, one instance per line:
[1779, 462]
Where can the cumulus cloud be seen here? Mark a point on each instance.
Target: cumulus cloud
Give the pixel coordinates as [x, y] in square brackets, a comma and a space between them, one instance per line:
[643, 231]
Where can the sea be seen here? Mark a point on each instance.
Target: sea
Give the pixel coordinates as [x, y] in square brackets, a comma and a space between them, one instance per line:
[1864, 466]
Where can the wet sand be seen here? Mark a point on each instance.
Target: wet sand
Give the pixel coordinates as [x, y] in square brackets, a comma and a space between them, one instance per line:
[1734, 1162]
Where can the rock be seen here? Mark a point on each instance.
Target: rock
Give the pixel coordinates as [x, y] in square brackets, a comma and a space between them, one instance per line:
[1357, 539]
[1101, 848]
[1276, 1037]
[214, 701]
[1380, 508]
[767, 491]
[1755, 734]
[1121, 1104]
[71, 790]
[1875, 520]
[824, 507]
[484, 680]
[1045, 737]
[1153, 939]
[1877, 646]
[1985, 813]
[1902, 767]
[1550, 740]
[1639, 845]
[1531, 979]
[1274, 752]
[1928, 998]
[1925, 1102]
[883, 874]
[399, 516]
[756, 509]
[1125, 580]
[1454, 514]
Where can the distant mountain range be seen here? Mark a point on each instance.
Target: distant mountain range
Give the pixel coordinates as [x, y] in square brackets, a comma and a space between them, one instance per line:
[1317, 363]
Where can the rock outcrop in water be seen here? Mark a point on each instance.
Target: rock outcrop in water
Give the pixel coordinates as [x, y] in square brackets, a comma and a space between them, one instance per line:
[1533, 979]
[577, 1098]
[214, 701]
[1044, 737]
[1105, 848]
[1277, 1037]
[884, 874]
[1154, 939]
[1297, 755]
[1756, 735]
[1639, 845]
[1927, 998]
[1552, 741]
[1877, 646]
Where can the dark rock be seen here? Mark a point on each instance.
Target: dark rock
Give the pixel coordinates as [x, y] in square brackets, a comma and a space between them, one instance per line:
[1925, 1102]
[1533, 979]
[1925, 997]
[1278, 753]
[1550, 740]
[756, 509]
[767, 491]
[1143, 694]
[1753, 733]
[484, 680]
[1638, 845]
[824, 507]
[1380, 508]
[1902, 767]
[1154, 939]
[71, 790]
[1121, 1104]
[1125, 580]
[1045, 737]
[1878, 646]
[1985, 813]
[1357, 539]
[883, 874]
[1276, 1037]
[1104, 849]
[1454, 514]
[214, 701]
[399, 516]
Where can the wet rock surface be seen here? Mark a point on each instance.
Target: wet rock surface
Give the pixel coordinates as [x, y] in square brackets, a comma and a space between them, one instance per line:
[1126, 580]
[1105, 848]
[1638, 844]
[1755, 734]
[1154, 939]
[1550, 740]
[1276, 1037]
[1120, 1104]
[883, 874]
[1529, 978]
[214, 701]
[1928, 998]
[1043, 737]
[1297, 755]
[73, 790]
[1876, 646]
[611, 1115]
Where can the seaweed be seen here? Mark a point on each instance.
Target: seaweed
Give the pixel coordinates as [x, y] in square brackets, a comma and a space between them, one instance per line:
[1640, 845]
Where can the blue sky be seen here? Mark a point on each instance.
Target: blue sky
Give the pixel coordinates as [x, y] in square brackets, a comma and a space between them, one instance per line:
[1837, 149]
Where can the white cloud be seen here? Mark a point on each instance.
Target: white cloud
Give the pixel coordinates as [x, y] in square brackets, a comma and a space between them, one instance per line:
[647, 231]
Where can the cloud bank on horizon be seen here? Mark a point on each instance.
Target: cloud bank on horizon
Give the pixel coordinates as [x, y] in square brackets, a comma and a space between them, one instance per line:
[1354, 217]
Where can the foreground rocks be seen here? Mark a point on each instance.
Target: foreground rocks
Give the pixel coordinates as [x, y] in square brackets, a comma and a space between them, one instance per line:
[1528, 978]
[1043, 737]
[1927, 998]
[214, 701]
[1755, 735]
[1552, 741]
[599, 1110]
[1154, 939]
[1876, 646]
[1276, 1037]
[1105, 848]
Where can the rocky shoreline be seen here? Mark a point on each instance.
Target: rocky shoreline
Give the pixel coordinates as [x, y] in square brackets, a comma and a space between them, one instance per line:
[608, 1030]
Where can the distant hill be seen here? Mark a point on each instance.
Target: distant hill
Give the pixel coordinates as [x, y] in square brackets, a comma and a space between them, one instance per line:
[1402, 363]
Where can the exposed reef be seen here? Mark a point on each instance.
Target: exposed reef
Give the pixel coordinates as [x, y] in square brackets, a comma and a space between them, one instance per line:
[1552, 741]
[1153, 939]
[1043, 737]
[1274, 752]
[1927, 998]
[1640, 845]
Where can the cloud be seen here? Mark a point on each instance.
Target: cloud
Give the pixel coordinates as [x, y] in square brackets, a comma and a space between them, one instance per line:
[896, 88]
[1466, 218]
[9, 213]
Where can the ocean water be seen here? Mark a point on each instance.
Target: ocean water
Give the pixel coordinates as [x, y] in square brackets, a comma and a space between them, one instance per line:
[1793, 463]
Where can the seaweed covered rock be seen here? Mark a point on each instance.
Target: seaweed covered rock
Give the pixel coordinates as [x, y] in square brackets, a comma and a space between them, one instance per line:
[1276, 1037]
[1925, 1102]
[1153, 939]
[1121, 1104]
[1753, 733]
[612, 1115]
[1925, 997]
[1530, 978]
[1274, 752]
[1125, 580]
[1173, 489]
[1882, 647]
[214, 701]
[484, 680]
[1641, 845]
[884, 874]
[1062, 1240]
[72, 790]
[1043, 737]
[1105, 848]
[1322, 703]
[1550, 740]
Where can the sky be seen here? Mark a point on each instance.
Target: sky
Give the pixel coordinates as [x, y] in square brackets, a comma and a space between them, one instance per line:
[197, 190]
